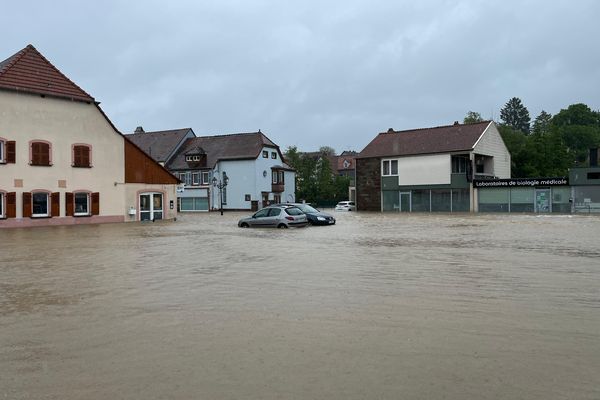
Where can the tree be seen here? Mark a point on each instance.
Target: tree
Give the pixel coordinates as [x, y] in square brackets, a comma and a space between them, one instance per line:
[515, 115]
[541, 124]
[579, 128]
[472, 117]
[327, 150]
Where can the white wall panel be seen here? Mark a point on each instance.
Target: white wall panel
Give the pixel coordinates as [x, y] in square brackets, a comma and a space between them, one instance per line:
[424, 170]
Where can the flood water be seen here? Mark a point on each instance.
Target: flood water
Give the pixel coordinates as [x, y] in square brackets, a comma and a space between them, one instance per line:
[375, 307]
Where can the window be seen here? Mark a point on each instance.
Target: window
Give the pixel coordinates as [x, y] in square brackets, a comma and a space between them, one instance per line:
[2, 156]
[186, 178]
[262, 213]
[39, 203]
[274, 155]
[265, 154]
[82, 203]
[82, 156]
[278, 177]
[193, 204]
[205, 178]
[195, 178]
[247, 197]
[593, 175]
[390, 167]
[40, 154]
[459, 164]
[2, 205]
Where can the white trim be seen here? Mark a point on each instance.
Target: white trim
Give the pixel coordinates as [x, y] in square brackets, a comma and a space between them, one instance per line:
[483, 133]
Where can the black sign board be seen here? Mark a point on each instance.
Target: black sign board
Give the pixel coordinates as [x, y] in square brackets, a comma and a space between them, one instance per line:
[521, 182]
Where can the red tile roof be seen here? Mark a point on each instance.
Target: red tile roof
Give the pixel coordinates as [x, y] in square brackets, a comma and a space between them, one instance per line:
[29, 71]
[441, 139]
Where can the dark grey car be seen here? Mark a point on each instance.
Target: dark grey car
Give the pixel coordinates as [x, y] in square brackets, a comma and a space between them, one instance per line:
[275, 217]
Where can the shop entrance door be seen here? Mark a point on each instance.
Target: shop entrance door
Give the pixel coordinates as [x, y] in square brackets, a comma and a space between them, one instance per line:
[404, 201]
[542, 201]
[151, 206]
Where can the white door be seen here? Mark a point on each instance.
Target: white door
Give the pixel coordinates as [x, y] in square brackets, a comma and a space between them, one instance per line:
[151, 206]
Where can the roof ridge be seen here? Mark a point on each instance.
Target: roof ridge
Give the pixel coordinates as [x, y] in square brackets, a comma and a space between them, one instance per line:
[434, 127]
[163, 131]
[31, 49]
[230, 134]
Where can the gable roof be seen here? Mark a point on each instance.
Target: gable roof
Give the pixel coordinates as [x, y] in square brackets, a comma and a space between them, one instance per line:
[30, 72]
[159, 144]
[237, 146]
[441, 139]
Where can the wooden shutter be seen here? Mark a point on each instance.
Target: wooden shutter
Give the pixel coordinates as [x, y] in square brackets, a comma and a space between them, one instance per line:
[96, 203]
[69, 204]
[11, 153]
[11, 205]
[26, 204]
[55, 204]
[85, 156]
[40, 153]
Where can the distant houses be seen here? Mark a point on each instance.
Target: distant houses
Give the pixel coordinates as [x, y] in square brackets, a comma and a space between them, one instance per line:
[251, 164]
[62, 161]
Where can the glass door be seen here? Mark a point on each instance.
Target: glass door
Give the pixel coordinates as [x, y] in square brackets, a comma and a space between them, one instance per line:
[542, 201]
[151, 206]
[404, 201]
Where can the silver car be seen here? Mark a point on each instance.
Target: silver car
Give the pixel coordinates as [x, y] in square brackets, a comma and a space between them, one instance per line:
[275, 217]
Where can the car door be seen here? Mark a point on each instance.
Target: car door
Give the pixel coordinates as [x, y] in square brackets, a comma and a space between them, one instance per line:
[260, 218]
[273, 218]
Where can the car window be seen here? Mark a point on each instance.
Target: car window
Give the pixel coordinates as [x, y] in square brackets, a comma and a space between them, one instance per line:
[293, 211]
[262, 213]
[274, 212]
[307, 209]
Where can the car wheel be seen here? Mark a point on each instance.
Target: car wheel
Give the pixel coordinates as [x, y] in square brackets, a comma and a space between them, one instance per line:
[282, 226]
[244, 225]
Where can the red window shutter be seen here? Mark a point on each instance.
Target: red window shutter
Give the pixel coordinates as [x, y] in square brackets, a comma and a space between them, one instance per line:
[96, 203]
[40, 153]
[69, 204]
[26, 204]
[55, 204]
[11, 153]
[11, 205]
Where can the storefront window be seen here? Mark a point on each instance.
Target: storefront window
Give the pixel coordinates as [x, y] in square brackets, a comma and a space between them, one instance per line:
[440, 200]
[521, 199]
[461, 200]
[493, 200]
[391, 199]
[561, 197]
[420, 200]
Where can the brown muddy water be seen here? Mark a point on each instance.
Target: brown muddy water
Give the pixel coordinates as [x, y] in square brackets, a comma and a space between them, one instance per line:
[375, 307]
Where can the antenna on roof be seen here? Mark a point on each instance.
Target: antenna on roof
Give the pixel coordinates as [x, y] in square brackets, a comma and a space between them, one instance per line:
[259, 130]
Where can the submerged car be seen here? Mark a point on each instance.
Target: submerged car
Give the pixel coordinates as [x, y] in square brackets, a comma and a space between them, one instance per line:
[283, 216]
[345, 206]
[314, 216]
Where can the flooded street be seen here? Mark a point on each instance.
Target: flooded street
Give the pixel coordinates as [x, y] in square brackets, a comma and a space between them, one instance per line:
[376, 307]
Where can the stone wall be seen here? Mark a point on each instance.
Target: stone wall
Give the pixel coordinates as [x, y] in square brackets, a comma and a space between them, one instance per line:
[368, 184]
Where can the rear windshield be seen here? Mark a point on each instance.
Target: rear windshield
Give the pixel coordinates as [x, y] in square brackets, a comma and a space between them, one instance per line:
[293, 211]
[307, 209]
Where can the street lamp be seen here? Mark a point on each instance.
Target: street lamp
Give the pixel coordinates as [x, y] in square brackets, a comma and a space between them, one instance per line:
[220, 184]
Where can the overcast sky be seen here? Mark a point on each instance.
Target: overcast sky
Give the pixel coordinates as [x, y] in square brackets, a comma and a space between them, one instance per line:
[314, 73]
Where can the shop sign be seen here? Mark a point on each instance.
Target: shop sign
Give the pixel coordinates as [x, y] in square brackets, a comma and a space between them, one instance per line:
[521, 182]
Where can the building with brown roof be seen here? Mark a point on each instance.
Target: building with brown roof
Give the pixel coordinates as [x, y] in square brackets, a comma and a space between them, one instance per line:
[62, 161]
[429, 169]
[256, 172]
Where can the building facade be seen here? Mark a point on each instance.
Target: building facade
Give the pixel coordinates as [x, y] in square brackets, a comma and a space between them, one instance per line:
[250, 163]
[428, 170]
[61, 159]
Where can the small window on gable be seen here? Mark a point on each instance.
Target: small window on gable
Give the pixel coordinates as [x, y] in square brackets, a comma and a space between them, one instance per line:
[188, 158]
[196, 158]
[40, 154]
[274, 155]
[265, 154]
[82, 156]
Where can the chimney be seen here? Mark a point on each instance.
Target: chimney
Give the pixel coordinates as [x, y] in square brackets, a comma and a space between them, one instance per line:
[391, 130]
[594, 157]
[456, 123]
[139, 129]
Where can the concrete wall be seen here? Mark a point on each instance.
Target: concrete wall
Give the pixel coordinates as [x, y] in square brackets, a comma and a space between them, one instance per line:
[25, 117]
[491, 144]
[424, 170]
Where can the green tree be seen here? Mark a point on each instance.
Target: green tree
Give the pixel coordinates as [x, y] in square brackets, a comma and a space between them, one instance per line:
[515, 115]
[327, 150]
[541, 124]
[472, 117]
[579, 128]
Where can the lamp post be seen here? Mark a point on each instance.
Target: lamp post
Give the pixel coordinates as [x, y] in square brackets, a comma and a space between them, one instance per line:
[220, 184]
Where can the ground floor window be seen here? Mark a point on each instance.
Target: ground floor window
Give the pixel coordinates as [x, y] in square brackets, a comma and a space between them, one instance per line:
[193, 204]
[587, 199]
[82, 203]
[426, 200]
[39, 204]
[525, 199]
[151, 206]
